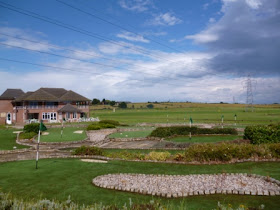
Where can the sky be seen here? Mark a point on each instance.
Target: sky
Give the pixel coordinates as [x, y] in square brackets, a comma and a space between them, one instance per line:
[206, 51]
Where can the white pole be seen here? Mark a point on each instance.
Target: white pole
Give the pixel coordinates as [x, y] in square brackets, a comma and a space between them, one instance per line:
[37, 155]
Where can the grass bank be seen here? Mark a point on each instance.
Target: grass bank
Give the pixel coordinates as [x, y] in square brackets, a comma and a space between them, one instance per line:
[8, 139]
[204, 138]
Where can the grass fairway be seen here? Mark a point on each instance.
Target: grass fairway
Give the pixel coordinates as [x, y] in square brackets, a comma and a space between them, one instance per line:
[204, 139]
[68, 135]
[200, 113]
[58, 178]
[8, 140]
[131, 134]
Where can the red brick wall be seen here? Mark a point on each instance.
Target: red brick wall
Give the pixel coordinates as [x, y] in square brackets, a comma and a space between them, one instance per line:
[5, 107]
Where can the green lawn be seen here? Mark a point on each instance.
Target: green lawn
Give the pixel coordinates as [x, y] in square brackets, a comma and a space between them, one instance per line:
[204, 139]
[131, 134]
[200, 113]
[58, 178]
[8, 140]
[68, 135]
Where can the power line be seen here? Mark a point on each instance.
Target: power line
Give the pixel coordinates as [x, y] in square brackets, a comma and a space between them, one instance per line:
[95, 63]
[114, 24]
[76, 29]
[77, 51]
[74, 70]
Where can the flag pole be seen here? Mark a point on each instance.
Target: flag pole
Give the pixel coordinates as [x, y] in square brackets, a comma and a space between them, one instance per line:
[37, 155]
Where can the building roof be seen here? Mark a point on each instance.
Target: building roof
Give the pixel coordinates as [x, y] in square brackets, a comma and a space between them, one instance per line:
[69, 108]
[52, 94]
[11, 94]
[72, 96]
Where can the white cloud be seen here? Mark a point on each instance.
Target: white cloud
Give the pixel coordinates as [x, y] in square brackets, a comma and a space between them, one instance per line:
[165, 19]
[136, 5]
[132, 37]
[23, 41]
[203, 37]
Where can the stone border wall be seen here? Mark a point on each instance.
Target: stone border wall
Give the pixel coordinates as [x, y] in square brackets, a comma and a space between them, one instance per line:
[126, 182]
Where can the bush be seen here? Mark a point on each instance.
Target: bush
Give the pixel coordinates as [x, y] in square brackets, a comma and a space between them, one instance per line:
[101, 125]
[159, 156]
[112, 122]
[87, 150]
[33, 127]
[28, 135]
[184, 130]
[260, 134]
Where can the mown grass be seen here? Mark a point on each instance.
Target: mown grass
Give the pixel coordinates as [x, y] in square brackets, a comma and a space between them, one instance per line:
[204, 138]
[58, 178]
[67, 135]
[200, 113]
[131, 134]
[8, 139]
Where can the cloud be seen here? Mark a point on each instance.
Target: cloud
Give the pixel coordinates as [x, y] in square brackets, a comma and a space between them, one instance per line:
[165, 19]
[7, 38]
[132, 37]
[246, 38]
[136, 5]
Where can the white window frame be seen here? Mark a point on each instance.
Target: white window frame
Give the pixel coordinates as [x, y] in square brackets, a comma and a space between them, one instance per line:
[49, 116]
[74, 115]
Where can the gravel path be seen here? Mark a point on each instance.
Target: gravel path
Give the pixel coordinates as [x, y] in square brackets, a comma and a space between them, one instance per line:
[179, 186]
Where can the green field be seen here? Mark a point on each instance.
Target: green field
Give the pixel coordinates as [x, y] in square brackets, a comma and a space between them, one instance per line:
[204, 139]
[8, 139]
[58, 178]
[200, 113]
[68, 135]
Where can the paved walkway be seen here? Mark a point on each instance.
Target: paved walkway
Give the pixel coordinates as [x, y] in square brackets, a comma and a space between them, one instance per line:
[130, 144]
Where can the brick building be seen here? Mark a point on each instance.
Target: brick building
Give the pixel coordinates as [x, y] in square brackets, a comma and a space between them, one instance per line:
[47, 104]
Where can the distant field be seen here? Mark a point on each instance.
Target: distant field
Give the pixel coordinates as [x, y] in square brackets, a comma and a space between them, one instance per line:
[181, 112]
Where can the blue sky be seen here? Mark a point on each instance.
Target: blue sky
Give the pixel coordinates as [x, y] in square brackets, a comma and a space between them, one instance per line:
[143, 50]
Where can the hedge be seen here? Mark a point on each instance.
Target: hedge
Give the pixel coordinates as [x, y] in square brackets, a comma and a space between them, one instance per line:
[184, 130]
[260, 134]
[100, 125]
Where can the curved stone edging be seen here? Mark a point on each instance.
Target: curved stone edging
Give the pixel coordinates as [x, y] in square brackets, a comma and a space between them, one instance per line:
[187, 185]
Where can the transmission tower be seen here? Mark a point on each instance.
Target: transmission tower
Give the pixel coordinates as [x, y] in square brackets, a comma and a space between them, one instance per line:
[249, 94]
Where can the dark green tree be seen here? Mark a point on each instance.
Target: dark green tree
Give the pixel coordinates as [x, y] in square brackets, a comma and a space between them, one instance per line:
[150, 106]
[95, 101]
[112, 103]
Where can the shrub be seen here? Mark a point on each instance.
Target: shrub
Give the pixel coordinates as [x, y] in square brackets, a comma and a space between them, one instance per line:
[260, 134]
[87, 150]
[106, 125]
[159, 156]
[28, 135]
[93, 127]
[112, 122]
[184, 130]
[33, 127]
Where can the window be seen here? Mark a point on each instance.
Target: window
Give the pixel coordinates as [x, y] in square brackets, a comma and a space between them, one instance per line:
[67, 115]
[49, 116]
[75, 115]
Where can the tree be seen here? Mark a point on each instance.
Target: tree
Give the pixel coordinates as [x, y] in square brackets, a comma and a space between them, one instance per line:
[150, 106]
[95, 101]
[123, 105]
[112, 103]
